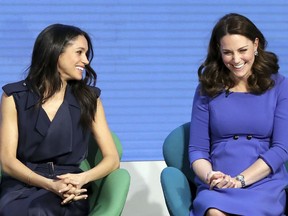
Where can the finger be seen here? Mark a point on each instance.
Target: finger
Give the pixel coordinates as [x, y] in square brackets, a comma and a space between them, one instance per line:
[228, 182]
[65, 189]
[72, 191]
[230, 185]
[80, 197]
[63, 176]
[74, 182]
[214, 183]
[224, 181]
[80, 191]
[71, 181]
[216, 175]
[68, 199]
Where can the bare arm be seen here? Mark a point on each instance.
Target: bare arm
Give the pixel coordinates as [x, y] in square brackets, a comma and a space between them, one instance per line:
[106, 145]
[103, 137]
[8, 148]
[256, 172]
[203, 169]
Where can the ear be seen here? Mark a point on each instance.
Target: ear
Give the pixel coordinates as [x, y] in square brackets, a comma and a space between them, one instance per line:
[256, 43]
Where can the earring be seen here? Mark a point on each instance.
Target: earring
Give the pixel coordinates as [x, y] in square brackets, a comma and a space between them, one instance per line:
[256, 53]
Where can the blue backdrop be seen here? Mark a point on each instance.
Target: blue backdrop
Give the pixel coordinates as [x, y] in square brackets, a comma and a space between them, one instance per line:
[146, 54]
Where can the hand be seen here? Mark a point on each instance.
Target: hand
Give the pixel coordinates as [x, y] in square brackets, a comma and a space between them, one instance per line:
[78, 180]
[225, 182]
[58, 184]
[73, 191]
[212, 175]
[73, 194]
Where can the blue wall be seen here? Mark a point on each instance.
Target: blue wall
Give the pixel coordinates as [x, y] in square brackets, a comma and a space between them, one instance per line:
[146, 54]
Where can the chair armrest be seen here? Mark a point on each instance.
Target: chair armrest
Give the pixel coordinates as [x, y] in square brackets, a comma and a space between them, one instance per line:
[176, 191]
[113, 194]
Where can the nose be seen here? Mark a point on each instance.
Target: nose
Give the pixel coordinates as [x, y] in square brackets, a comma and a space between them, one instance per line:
[85, 60]
[236, 58]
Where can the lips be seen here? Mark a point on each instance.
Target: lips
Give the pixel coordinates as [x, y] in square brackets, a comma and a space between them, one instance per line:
[239, 66]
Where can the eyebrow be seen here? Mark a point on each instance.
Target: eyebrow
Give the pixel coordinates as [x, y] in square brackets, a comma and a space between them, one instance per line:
[81, 48]
[238, 49]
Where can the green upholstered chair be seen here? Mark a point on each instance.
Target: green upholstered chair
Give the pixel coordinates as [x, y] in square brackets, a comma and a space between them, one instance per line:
[177, 178]
[109, 193]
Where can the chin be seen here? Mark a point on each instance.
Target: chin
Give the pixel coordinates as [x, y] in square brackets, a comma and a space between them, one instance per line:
[241, 75]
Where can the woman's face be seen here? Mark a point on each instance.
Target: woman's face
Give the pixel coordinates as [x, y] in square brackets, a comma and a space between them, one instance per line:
[237, 53]
[72, 61]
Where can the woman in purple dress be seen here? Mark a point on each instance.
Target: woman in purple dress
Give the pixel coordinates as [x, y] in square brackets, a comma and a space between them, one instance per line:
[238, 135]
[46, 122]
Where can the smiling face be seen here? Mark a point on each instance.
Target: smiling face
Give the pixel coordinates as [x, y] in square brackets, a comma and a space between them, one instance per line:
[237, 53]
[72, 61]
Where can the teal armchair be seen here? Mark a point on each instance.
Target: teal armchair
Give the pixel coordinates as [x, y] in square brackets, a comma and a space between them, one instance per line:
[177, 179]
[109, 193]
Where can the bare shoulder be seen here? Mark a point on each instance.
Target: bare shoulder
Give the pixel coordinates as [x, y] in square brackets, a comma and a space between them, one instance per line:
[7, 103]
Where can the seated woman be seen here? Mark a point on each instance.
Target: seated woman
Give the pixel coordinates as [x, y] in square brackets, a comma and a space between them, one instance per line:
[46, 122]
[238, 138]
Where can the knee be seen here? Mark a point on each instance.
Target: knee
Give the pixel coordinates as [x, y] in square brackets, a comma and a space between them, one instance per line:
[215, 212]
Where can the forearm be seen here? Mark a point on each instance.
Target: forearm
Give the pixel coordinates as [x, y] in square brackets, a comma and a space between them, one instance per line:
[256, 172]
[201, 168]
[16, 169]
[106, 166]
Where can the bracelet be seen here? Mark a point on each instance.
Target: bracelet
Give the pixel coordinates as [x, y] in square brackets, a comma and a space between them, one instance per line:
[29, 177]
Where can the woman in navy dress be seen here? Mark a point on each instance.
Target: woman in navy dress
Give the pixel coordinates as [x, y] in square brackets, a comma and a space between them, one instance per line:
[238, 135]
[46, 121]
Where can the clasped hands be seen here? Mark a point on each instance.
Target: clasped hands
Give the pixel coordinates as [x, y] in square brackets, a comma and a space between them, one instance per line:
[69, 187]
[220, 180]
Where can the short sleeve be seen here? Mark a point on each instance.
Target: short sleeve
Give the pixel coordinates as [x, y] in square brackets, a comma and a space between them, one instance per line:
[11, 88]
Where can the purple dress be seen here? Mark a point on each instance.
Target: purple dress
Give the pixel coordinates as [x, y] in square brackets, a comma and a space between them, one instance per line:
[48, 148]
[232, 131]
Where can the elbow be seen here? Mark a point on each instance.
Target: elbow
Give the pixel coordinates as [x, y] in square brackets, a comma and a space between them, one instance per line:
[5, 164]
[113, 161]
[116, 163]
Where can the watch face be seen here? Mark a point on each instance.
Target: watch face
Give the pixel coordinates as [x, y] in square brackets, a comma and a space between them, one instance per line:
[240, 177]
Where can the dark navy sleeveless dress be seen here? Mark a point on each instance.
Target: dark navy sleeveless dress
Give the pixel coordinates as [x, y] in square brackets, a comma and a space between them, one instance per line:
[48, 148]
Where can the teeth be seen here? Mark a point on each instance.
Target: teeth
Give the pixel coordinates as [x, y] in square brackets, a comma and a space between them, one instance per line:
[238, 66]
[80, 68]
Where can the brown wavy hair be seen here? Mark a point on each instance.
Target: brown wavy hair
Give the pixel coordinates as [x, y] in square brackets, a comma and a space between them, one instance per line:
[214, 75]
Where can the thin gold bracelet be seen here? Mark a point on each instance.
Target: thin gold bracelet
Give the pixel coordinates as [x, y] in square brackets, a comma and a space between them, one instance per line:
[29, 177]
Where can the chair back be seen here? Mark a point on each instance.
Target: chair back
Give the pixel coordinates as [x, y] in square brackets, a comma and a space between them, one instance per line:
[175, 150]
[93, 158]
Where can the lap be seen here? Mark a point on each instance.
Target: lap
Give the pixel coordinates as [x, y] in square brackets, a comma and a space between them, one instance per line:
[44, 203]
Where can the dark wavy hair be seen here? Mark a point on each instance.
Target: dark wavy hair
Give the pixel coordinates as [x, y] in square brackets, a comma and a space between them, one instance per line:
[214, 75]
[43, 76]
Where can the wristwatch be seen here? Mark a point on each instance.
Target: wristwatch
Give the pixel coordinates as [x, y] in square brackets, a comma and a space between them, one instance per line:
[241, 179]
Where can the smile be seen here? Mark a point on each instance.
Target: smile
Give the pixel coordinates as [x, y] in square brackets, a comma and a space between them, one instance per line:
[239, 66]
[80, 68]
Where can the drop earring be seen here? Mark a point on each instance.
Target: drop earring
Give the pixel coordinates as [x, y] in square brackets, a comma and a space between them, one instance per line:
[256, 53]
